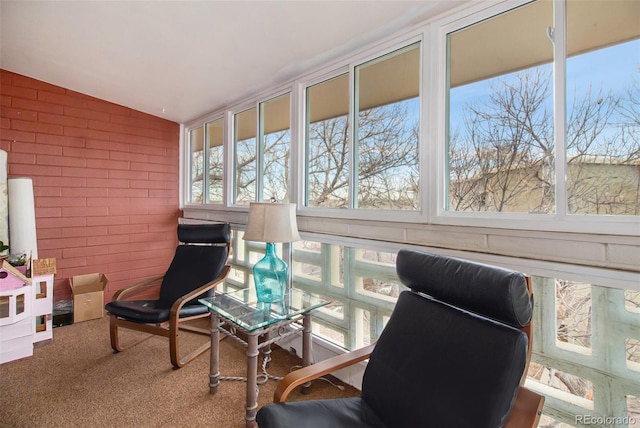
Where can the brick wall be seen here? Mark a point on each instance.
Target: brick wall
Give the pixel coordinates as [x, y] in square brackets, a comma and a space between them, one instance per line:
[105, 180]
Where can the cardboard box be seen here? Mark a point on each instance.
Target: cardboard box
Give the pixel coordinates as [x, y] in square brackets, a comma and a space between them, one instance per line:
[88, 296]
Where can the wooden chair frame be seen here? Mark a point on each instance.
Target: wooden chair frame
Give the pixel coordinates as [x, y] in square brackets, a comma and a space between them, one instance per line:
[170, 328]
[526, 410]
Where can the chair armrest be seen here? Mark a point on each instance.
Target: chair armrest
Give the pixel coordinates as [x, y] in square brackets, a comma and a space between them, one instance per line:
[179, 303]
[526, 410]
[119, 295]
[314, 371]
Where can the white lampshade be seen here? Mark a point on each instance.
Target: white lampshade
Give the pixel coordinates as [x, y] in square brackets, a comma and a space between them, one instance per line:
[271, 222]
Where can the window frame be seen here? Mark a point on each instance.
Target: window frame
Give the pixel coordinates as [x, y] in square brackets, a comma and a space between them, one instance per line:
[416, 36]
[560, 220]
[432, 146]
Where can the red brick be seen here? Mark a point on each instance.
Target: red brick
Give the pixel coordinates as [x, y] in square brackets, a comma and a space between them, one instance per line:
[85, 211]
[62, 222]
[23, 158]
[63, 161]
[110, 220]
[109, 164]
[70, 262]
[60, 202]
[13, 135]
[41, 191]
[60, 140]
[85, 192]
[27, 82]
[38, 106]
[89, 232]
[129, 193]
[86, 133]
[85, 153]
[129, 228]
[33, 171]
[86, 251]
[129, 157]
[124, 129]
[36, 149]
[59, 181]
[64, 243]
[128, 209]
[86, 114]
[48, 233]
[107, 183]
[17, 92]
[107, 239]
[86, 173]
[42, 213]
[38, 127]
[137, 175]
[63, 120]
[20, 114]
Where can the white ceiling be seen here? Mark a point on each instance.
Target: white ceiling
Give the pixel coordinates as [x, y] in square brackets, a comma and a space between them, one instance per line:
[182, 59]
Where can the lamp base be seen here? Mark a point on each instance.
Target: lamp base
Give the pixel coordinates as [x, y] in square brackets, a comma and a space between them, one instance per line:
[270, 276]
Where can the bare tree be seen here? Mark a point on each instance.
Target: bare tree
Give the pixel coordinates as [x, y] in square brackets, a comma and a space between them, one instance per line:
[504, 158]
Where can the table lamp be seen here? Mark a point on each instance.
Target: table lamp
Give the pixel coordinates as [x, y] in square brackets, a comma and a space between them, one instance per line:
[271, 223]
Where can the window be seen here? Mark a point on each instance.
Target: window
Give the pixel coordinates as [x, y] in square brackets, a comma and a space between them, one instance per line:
[500, 105]
[603, 113]
[382, 163]
[196, 143]
[327, 145]
[387, 129]
[245, 162]
[215, 137]
[275, 148]
[504, 154]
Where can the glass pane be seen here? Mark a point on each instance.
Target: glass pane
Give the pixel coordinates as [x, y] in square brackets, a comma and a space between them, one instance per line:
[307, 261]
[196, 139]
[633, 411]
[500, 114]
[4, 306]
[573, 313]
[327, 147]
[276, 146]
[388, 126]
[244, 138]
[20, 303]
[215, 138]
[603, 113]
[632, 301]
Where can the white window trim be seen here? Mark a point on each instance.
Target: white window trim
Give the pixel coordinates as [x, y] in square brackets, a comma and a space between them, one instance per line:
[560, 221]
[432, 34]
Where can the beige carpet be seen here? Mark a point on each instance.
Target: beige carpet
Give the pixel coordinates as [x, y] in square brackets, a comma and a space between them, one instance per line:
[76, 381]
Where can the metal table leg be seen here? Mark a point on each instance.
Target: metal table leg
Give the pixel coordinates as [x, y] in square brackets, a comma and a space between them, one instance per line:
[214, 364]
[306, 348]
[252, 383]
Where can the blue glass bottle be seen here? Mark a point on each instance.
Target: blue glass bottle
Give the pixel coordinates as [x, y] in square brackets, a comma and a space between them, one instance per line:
[270, 276]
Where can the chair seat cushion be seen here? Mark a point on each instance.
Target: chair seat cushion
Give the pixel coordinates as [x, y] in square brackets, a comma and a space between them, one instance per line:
[342, 412]
[149, 311]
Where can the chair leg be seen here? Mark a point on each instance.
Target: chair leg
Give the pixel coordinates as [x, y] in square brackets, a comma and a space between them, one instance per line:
[115, 339]
[174, 347]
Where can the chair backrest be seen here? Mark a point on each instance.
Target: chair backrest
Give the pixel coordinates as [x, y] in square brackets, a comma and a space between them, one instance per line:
[451, 354]
[199, 259]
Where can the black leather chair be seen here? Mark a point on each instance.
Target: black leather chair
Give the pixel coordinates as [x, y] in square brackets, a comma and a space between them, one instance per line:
[198, 266]
[454, 353]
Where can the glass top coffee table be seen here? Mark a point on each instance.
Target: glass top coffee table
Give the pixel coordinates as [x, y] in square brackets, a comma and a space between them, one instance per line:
[241, 309]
